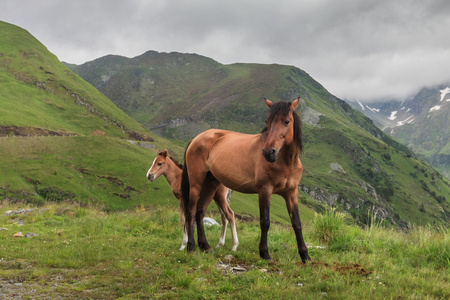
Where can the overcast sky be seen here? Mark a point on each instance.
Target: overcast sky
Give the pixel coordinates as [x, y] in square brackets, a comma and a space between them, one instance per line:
[364, 50]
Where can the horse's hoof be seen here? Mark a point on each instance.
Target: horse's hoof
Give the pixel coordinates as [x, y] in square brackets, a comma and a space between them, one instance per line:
[306, 258]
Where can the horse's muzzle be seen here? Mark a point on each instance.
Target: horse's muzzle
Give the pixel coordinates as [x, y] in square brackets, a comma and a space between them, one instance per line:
[270, 154]
[151, 177]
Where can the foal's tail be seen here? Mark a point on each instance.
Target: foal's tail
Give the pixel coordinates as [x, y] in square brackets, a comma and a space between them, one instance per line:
[185, 187]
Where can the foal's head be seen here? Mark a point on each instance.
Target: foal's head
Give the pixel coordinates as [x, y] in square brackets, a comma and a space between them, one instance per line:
[159, 165]
[283, 128]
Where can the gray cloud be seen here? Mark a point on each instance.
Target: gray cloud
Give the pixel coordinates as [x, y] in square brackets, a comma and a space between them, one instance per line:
[356, 49]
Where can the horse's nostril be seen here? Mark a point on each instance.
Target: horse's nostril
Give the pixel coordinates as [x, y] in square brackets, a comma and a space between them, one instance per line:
[270, 154]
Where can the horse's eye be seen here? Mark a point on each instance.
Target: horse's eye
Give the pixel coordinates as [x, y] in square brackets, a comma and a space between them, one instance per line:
[160, 164]
[287, 122]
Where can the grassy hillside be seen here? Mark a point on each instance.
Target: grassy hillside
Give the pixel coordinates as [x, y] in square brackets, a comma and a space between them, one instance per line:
[349, 162]
[85, 253]
[39, 91]
[60, 138]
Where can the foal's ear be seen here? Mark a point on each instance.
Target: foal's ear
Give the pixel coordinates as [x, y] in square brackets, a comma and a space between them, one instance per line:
[165, 153]
[294, 104]
[268, 102]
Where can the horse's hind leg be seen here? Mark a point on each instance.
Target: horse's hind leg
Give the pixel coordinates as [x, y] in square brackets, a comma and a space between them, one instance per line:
[208, 190]
[227, 216]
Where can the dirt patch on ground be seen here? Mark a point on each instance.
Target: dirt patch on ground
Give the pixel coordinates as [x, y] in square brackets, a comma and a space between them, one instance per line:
[354, 269]
[11, 130]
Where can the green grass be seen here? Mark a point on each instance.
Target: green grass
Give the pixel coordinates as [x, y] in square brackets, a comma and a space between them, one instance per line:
[103, 170]
[87, 253]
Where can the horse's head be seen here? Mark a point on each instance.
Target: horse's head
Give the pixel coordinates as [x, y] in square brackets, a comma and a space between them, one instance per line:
[281, 129]
[159, 165]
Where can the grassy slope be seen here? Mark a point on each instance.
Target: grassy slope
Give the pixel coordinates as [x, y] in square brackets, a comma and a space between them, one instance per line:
[38, 91]
[85, 253]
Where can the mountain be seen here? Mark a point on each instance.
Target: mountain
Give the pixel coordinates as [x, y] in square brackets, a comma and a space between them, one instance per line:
[61, 139]
[421, 122]
[349, 162]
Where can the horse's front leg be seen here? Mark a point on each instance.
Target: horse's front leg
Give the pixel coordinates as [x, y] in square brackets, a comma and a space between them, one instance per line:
[292, 207]
[264, 222]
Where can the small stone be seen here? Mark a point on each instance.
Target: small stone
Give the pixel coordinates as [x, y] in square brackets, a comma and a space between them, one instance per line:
[239, 269]
[3, 228]
[209, 222]
[228, 257]
[18, 234]
[30, 234]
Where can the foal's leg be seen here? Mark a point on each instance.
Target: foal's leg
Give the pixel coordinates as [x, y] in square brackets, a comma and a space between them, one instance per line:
[292, 207]
[224, 225]
[227, 216]
[264, 222]
[183, 225]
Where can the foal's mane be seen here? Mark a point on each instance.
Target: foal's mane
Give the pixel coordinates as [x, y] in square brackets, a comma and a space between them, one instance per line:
[283, 108]
[176, 163]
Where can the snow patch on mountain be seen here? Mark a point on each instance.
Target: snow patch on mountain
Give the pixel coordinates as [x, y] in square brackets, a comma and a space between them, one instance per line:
[360, 104]
[408, 120]
[444, 92]
[374, 110]
[437, 107]
[393, 116]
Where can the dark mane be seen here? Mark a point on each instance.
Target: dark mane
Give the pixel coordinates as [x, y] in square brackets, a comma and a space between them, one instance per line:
[176, 163]
[283, 108]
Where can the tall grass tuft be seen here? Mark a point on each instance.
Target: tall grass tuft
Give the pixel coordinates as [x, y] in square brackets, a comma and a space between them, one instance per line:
[329, 226]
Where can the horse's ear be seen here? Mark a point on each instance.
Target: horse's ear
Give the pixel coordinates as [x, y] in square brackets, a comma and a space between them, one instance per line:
[294, 104]
[268, 102]
[165, 153]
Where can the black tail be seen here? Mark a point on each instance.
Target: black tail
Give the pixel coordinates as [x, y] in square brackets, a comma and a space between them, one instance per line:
[185, 187]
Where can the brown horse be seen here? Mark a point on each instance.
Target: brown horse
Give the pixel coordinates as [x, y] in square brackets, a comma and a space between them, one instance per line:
[171, 169]
[263, 164]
